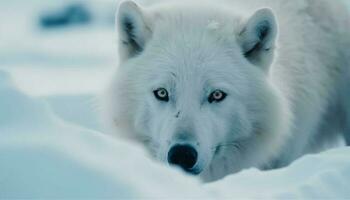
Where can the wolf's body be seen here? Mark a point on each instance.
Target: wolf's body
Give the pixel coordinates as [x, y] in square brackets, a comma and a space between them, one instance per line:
[286, 75]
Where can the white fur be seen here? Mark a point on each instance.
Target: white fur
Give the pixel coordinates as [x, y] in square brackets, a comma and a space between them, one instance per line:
[286, 97]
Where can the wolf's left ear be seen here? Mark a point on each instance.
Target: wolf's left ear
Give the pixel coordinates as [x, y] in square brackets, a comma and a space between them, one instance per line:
[258, 37]
[133, 29]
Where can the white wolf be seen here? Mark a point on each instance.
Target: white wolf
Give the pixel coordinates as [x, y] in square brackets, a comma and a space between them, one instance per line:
[219, 87]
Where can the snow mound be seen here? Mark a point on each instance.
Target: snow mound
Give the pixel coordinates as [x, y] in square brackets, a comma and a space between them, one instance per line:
[323, 176]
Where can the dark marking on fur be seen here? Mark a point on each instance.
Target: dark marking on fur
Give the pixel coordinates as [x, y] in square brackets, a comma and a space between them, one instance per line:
[217, 150]
[131, 40]
[250, 52]
[262, 31]
[226, 168]
[173, 74]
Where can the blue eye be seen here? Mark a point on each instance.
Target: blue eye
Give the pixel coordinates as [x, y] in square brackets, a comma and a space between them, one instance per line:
[161, 94]
[217, 96]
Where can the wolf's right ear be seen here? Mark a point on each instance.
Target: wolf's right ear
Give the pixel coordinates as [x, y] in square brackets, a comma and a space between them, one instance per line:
[134, 32]
[258, 38]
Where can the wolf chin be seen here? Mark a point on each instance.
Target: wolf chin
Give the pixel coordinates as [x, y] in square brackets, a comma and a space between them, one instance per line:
[215, 88]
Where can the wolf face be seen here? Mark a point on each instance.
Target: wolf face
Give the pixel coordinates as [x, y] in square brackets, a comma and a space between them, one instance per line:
[193, 87]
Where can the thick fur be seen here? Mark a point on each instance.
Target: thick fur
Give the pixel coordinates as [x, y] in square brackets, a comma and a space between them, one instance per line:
[283, 64]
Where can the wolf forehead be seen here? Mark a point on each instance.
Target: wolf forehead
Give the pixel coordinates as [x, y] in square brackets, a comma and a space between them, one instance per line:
[173, 18]
[169, 28]
[210, 40]
[177, 31]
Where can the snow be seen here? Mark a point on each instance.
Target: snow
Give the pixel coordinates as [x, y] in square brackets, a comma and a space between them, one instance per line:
[51, 144]
[323, 176]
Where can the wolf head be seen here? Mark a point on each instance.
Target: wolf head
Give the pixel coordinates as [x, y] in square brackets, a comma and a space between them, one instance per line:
[193, 86]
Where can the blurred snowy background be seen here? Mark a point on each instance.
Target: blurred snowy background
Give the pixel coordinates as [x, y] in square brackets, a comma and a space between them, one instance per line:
[61, 51]
[55, 56]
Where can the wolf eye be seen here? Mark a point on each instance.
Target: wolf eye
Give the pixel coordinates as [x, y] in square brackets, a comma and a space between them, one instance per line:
[161, 94]
[217, 96]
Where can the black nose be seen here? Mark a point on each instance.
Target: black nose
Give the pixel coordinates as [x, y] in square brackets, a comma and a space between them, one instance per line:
[184, 156]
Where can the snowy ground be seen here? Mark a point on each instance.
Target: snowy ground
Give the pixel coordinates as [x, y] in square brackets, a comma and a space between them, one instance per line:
[52, 146]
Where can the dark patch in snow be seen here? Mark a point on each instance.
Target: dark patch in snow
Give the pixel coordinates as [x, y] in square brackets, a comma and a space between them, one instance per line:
[74, 14]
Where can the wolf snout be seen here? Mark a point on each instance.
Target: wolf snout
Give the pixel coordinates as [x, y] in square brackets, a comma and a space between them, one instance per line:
[184, 156]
